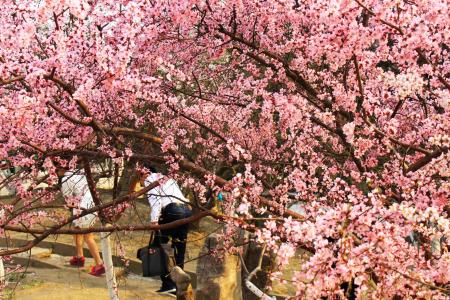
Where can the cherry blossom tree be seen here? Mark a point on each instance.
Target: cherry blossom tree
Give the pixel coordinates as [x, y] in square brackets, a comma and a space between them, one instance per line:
[341, 107]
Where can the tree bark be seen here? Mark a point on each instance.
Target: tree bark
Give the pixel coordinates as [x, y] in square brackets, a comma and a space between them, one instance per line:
[127, 177]
[2, 271]
[261, 280]
[109, 268]
[218, 278]
[105, 240]
[183, 283]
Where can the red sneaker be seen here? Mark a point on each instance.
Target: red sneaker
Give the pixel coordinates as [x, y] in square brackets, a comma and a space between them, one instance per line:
[97, 270]
[77, 261]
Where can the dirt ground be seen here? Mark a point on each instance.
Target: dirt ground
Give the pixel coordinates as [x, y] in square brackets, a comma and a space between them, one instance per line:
[43, 284]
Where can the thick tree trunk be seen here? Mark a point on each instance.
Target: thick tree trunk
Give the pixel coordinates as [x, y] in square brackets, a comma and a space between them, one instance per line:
[2, 267]
[261, 280]
[218, 278]
[2, 271]
[109, 268]
[104, 241]
[127, 177]
[192, 196]
[183, 282]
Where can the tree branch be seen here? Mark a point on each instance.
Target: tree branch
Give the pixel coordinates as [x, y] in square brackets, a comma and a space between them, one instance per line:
[395, 27]
[425, 160]
[114, 227]
[210, 130]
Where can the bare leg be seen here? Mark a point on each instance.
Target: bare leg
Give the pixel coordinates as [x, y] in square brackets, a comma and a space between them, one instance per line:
[92, 245]
[79, 244]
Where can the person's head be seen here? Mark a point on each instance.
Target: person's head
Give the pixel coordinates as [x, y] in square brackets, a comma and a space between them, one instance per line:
[143, 174]
[60, 169]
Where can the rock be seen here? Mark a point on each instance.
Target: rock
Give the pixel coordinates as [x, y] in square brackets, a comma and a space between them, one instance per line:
[43, 254]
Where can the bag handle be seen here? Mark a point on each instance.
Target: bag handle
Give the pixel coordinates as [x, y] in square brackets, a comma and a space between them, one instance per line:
[155, 239]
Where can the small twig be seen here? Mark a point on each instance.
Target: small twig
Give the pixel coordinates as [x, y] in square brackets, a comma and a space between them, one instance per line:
[432, 286]
[243, 264]
[198, 85]
[55, 17]
[440, 77]
[398, 29]
[209, 129]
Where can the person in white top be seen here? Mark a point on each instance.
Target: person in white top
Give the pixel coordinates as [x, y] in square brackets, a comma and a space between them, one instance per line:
[75, 189]
[167, 204]
[162, 195]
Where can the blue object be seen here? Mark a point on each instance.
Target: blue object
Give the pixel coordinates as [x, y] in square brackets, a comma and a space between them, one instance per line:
[220, 197]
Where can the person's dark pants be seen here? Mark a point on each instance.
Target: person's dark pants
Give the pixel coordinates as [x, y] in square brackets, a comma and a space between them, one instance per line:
[171, 213]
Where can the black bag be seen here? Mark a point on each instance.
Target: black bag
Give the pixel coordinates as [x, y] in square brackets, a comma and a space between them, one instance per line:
[151, 260]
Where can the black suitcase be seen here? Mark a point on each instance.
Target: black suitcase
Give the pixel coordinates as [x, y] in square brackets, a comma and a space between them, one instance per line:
[151, 262]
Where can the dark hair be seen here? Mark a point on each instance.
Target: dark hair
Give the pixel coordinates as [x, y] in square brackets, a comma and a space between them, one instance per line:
[62, 159]
[58, 165]
[150, 167]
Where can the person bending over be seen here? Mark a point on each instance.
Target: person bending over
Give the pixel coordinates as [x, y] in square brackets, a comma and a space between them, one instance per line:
[167, 204]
